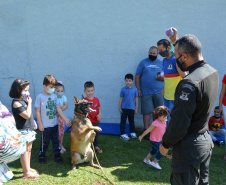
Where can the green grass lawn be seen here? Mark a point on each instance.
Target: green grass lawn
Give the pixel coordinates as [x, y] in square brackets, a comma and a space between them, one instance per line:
[122, 161]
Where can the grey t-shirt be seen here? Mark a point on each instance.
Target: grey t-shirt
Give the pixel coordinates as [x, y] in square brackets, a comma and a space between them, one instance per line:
[47, 104]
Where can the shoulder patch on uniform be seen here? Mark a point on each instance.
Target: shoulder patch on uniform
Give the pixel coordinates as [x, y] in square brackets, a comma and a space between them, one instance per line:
[184, 96]
[188, 86]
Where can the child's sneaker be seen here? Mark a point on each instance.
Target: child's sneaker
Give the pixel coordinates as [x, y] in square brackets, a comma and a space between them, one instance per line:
[58, 159]
[124, 137]
[156, 165]
[219, 143]
[42, 159]
[64, 150]
[133, 135]
[147, 161]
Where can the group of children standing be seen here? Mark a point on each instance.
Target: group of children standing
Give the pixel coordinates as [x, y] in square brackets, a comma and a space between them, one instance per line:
[49, 106]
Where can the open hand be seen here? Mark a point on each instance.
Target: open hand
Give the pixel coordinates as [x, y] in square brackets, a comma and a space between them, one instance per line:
[41, 128]
[135, 112]
[99, 117]
[139, 93]
[163, 150]
[68, 122]
[120, 110]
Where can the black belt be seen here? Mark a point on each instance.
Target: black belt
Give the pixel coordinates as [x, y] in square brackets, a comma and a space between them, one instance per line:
[205, 134]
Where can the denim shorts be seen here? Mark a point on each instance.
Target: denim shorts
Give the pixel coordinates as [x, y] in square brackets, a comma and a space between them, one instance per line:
[28, 134]
[155, 150]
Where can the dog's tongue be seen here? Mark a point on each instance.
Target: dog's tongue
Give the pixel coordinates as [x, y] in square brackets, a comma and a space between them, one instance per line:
[88, 109]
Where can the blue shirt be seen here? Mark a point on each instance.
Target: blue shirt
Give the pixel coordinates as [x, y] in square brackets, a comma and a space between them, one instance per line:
[148, 70]
[62, 100]
[129, 95]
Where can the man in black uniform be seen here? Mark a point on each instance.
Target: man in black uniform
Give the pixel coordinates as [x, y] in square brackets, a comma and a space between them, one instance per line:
[187, 132]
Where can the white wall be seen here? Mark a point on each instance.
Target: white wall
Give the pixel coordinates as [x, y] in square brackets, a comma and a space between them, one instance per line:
[98, 40]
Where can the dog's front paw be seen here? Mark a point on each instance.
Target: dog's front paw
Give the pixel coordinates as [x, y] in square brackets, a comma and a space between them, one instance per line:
[99, 129]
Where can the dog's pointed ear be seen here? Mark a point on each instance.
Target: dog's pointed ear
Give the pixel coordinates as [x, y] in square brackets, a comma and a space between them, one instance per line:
[83, 97]
[76, 99]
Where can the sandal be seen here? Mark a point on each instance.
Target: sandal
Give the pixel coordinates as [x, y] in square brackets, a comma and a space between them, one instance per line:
[97, 149]
[33, 171]
[30, 176]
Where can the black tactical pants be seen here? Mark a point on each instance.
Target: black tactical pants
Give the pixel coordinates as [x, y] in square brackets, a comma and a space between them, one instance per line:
[191, 158]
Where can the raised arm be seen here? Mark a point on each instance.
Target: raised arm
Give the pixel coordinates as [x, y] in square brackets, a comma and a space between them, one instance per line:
[27, 113]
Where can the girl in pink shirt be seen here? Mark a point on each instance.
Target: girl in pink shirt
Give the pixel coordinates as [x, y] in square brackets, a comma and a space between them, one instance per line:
[157, 130]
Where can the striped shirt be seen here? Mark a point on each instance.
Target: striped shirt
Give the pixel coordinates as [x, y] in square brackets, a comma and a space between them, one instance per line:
[171, 77]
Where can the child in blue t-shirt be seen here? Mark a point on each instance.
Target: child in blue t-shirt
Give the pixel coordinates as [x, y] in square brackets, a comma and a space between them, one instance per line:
[128, 105]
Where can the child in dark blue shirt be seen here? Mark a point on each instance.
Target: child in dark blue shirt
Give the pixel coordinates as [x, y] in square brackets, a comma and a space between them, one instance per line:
[128, 105]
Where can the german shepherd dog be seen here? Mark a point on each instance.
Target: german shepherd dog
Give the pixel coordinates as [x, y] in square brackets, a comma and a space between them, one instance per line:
[82, 134]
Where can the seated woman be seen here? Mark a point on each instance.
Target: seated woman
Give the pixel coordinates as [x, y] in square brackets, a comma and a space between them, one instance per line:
[12, 143]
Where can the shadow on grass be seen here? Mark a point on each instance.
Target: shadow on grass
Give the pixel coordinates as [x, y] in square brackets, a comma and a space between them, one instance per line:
[122, 162]
[124, 159]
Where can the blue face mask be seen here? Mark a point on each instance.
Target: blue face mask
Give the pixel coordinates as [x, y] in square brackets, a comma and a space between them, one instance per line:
[51, 90]
[59, 95]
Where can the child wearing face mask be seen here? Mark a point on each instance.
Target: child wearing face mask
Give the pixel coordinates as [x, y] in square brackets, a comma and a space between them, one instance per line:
[22, 112]
[157, 130]
[63, 105]
[47, 106]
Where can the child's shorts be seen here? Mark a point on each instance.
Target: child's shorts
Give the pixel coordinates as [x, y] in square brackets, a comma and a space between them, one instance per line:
[30, 135]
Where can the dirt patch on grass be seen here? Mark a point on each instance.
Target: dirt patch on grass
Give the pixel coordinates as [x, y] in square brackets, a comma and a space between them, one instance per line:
[97, 182]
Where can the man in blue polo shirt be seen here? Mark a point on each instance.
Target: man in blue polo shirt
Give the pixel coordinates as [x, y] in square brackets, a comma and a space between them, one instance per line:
[128, 105]
[149, 83]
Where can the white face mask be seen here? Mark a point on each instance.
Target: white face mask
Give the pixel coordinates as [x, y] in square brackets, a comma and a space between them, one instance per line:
[51, 90]
[25, 95]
